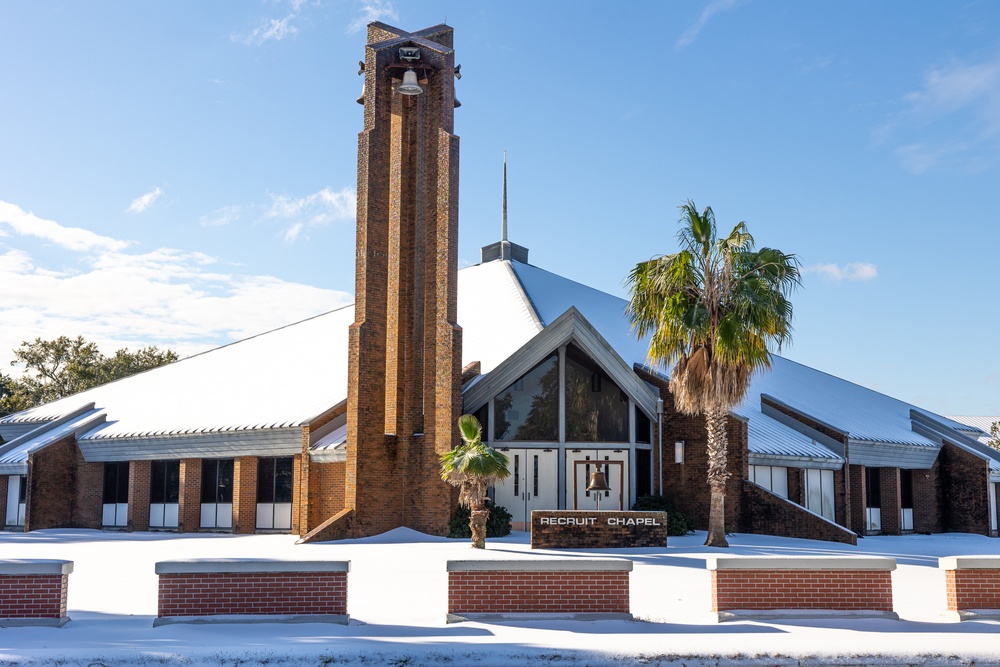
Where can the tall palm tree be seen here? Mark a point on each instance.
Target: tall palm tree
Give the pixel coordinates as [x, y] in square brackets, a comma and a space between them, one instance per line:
[714, 310]
[472, 467]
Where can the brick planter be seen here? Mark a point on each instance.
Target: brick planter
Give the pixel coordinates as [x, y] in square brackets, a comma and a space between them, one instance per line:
[538, 589]
[247, 590]
[33, 592]
[801, 587]
[972, 584]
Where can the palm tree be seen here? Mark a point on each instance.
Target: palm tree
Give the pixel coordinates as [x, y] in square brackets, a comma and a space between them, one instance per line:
[472, 467]
[714, 310]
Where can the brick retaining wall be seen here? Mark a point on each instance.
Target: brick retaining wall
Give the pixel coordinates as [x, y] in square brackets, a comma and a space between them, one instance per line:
[783, 587]
[245, 590]
[972, 585]
[574, 589]
[33, 592]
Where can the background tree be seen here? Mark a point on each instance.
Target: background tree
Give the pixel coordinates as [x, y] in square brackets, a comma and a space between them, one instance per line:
[472, 467]
[65, 366]
[994, 441]
[713, 310]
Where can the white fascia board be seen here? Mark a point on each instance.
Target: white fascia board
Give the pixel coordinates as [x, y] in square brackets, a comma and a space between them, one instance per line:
[331, 455]
[571, 326]
[784, 461]
[14, 468]
[226, 444]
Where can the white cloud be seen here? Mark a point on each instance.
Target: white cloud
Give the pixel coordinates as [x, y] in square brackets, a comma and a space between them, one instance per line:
[373, 10]
[140, 204]
[186, 301]
[25, 223]
[858, 271]
[314, 210]
[269, 30]
[714, 7]
[222, 216]
[953, 119]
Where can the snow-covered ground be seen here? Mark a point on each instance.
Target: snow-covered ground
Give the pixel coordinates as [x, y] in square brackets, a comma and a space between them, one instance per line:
[397, 599]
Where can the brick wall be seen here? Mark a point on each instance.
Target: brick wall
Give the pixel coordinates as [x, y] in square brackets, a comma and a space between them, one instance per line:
[685, 484]
[891, 501]
[856, 484]
[245, 494]
[303, 511]
[927, 499]
[138, 494]
[241, 593]
[972, 589]
[570, 529]
[506, 592]
[3, 497]
[801, 589]
[189, 501]
[326, 492]
[63, 489]
[33, 596]
[964, 491]
[768, 514]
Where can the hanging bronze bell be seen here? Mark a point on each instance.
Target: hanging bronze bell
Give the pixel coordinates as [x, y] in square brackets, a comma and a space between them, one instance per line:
[598, 482]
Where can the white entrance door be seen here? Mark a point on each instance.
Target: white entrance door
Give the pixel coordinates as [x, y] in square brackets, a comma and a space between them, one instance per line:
[532, 484]
[580, 463]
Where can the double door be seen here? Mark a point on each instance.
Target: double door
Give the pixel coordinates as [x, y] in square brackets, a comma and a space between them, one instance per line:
[533, 484]
[582, 463]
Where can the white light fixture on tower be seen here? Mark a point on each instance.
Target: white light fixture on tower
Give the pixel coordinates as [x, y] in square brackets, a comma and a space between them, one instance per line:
[679, 451]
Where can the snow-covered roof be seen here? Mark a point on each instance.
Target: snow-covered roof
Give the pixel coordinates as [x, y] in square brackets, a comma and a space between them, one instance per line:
[286, 377]
[977, 422]
[282, 378]
[14, 454]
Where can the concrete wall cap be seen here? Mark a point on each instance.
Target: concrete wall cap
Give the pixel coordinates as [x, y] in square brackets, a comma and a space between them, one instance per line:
[799, 563]
[541, 565]
[229, 565]
[969, 563]
[35, 566]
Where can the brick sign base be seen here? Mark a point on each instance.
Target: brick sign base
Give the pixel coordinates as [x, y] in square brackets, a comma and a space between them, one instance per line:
[585, 529]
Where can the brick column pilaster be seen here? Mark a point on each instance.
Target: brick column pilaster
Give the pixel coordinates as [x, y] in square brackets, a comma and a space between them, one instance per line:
[138, 495]
[856, 482]
[892, 520]
[245, 494]
[3, 500]
[189, 502]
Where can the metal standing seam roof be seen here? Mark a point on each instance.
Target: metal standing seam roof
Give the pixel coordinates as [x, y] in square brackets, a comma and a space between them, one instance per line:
[977, 422]
[769, 437]
[17, 451]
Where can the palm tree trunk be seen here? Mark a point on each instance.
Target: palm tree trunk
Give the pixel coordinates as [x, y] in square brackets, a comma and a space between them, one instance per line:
[718, 473]
[477, 524]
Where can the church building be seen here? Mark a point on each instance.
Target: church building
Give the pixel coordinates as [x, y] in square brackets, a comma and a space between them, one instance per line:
[333, 427]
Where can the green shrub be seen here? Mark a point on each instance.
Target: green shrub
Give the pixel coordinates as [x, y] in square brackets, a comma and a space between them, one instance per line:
[677, 523]
[498, 525]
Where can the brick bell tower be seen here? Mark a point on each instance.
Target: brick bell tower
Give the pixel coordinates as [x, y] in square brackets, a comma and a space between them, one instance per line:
[404, 380]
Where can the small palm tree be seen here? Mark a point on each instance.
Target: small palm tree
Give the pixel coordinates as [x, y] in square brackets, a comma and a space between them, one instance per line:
[714, 309]
[472, 467]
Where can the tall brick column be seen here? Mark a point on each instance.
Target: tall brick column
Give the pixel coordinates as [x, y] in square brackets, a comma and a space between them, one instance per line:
[892, 507]
[3, 500]
[404, 392]
[189, 500]
[138, 494]
[245, 494]
[858, 498]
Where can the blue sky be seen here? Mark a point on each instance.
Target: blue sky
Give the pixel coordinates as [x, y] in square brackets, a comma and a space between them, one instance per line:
[182, 173]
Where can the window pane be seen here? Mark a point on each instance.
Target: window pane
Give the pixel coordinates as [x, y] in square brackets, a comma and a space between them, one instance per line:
[483, 415]
[265, 480]
[225, 481]
[643, 472]
[779, 481]
[283, 475]
[643, 427]
[906, 488]
[209, 480]
[828, 506]
[173, 481]
[112, 485]
[22, 492]
[873, 487]
[529, 408]
[596, 409]
[158, 482]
